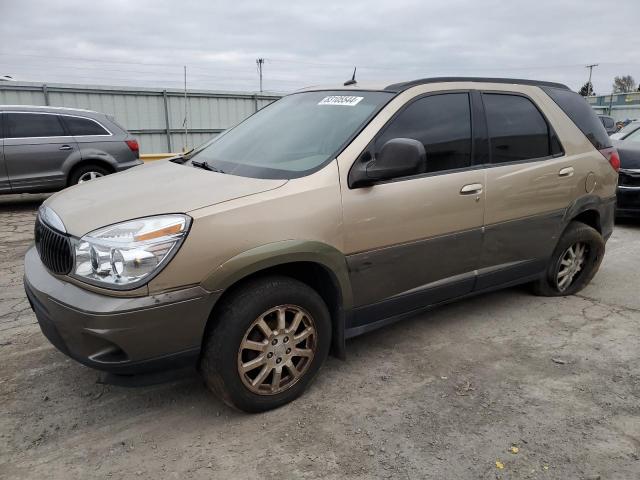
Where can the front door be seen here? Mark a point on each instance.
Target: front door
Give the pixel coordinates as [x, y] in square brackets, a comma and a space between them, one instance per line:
[415, 241]
[35, 149]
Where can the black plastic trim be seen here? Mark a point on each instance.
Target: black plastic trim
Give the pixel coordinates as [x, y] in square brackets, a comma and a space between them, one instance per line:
[354, 331]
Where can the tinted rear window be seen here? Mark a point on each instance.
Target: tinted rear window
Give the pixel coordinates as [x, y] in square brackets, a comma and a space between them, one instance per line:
[517, 129]
[83, 126]
[23, 125]
[579, 111]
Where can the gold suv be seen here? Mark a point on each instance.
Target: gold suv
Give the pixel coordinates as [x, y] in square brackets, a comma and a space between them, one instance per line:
[327, 214]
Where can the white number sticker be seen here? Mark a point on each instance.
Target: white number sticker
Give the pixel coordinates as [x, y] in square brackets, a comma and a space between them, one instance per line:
[346, 100]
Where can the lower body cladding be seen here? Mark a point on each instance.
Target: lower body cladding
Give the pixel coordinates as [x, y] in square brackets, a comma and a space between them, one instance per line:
[122, 335]
[628, 201]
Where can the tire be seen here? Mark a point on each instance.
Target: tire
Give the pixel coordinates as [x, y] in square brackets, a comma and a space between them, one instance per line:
[84, 171]
[576, 234]
[235, 326]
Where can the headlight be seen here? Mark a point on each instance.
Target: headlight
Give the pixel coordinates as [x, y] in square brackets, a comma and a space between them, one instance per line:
[128, 254]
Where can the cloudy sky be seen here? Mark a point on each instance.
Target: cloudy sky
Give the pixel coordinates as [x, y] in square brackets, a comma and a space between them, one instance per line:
[147, 43]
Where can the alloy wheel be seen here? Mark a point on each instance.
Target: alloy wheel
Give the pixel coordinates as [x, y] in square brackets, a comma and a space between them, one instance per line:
[571, 264]
[85, 177]
[277, 349]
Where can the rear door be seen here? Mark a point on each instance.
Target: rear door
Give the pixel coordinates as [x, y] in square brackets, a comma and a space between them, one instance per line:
[416, 240]
[5, 186]
[528, 188]
[36, 148]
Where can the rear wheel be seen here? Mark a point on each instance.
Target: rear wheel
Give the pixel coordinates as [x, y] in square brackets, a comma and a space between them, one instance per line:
[574, 262]
[270, 339]
[86, 173]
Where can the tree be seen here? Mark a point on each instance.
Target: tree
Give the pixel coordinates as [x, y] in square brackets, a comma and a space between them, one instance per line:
[587, 90]
[624, 84]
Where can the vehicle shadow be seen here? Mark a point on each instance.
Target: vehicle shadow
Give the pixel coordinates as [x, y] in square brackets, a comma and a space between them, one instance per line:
[22, 202]
[628, 221]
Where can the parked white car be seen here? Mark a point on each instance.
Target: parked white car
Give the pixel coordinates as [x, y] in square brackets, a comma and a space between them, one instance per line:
[628, 132]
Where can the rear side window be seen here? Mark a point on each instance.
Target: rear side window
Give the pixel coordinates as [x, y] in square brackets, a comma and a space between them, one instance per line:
[78, 126]
[579, 111]
[517, 129]
[23, 125]
[442, 123]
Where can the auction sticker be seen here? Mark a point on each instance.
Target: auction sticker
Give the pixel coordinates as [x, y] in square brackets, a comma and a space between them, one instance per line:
[346, 100]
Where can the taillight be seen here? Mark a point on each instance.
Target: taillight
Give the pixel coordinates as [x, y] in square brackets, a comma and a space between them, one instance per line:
[611, 154]
[133, 145]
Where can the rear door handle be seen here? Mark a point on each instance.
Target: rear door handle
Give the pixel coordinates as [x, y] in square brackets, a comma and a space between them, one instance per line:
[471, 189]
[566, 172]
[66, 147]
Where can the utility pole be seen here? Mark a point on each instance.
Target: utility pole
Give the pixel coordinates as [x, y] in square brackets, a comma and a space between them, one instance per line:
[186, 129]
[260, 62]
[590, 86]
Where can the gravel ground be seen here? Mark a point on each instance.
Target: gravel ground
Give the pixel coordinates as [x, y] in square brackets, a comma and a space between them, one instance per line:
[447, 394]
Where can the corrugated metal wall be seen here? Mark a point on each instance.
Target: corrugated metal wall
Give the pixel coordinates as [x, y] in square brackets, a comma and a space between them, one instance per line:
[155, 117]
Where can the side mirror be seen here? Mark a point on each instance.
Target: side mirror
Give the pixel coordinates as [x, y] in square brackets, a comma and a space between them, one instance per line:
[398, 157]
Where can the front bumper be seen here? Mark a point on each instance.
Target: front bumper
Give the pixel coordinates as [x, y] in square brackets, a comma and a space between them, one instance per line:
[628, 201]
[118, 334]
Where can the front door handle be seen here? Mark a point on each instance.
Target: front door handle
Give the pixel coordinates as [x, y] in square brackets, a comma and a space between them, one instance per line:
[471, 189]
[566, 172]
[66, 147]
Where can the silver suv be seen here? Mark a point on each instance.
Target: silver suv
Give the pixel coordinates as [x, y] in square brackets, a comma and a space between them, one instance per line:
[43, 149]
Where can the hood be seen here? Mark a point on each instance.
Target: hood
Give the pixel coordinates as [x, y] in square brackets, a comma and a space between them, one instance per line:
[151, 189]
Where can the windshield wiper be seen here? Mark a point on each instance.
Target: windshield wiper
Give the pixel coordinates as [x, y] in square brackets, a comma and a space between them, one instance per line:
[205, 166]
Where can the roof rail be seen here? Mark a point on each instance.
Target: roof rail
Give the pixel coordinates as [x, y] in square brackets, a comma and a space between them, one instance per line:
[399, 87]
[45, 107]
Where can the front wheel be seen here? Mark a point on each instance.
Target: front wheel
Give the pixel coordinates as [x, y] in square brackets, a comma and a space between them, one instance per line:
[86, 173]
[574, 262]
[270, 338]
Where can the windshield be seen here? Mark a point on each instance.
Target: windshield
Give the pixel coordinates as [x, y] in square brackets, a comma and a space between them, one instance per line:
[294, 136]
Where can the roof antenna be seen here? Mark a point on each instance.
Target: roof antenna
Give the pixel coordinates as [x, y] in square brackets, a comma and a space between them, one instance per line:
[353, 79]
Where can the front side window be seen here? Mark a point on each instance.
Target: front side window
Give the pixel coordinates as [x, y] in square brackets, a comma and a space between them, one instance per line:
[23, 125]
[292, 137]
[78, 126]
[517, 129]
[442, 123]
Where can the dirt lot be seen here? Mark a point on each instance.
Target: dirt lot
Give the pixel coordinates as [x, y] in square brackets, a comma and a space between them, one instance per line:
[444, 395]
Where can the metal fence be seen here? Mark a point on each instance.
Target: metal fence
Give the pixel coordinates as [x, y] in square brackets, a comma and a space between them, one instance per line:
[621, 106]
[155, 116]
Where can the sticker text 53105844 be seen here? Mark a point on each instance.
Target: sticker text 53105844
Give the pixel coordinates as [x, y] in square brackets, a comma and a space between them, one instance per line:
[343, 100]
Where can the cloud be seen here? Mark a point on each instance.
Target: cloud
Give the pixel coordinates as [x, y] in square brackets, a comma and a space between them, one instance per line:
[146, 43]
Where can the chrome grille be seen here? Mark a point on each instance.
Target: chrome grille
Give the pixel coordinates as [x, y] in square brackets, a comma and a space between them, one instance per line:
[54, 248]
